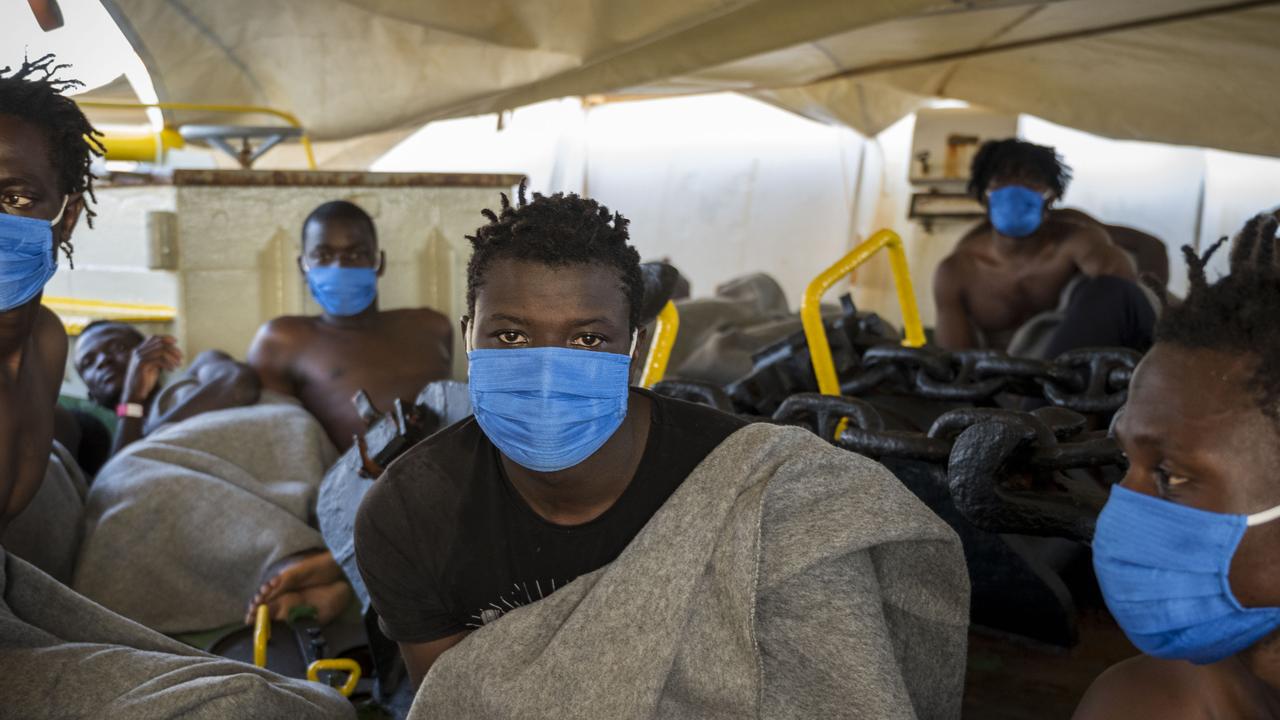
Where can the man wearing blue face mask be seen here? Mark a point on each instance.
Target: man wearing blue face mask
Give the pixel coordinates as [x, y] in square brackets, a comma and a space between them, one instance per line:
[353, 344]
[565, 469]
[1185, 549]
[47, 631]
[325, 360]
[1029, 259]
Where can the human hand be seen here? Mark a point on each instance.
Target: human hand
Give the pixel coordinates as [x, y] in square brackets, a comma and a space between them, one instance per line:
[156, 354]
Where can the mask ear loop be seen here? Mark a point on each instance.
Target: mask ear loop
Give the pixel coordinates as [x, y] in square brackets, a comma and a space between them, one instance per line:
[58, 218]
[1263, 517]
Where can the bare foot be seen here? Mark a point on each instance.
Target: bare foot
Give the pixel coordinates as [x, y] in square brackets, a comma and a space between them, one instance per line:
[311, 579]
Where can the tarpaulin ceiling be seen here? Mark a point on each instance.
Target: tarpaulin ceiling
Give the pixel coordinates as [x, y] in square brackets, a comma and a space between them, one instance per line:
[1181, 71]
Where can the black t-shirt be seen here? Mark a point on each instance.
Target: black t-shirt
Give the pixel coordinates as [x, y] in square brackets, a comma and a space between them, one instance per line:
[446, 544]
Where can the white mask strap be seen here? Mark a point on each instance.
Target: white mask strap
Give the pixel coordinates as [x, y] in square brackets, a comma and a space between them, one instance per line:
[54, 222]
[635, 336]
[1265, 516]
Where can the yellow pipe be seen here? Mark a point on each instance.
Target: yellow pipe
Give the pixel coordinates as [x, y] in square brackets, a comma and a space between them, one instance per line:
[147, 147]
[261, 636]
[350, 666]
[664, 338]
[811, 312]
[203, 107]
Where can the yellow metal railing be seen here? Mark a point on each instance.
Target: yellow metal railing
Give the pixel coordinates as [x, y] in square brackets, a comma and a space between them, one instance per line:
[76, 313]
[289, 118]
[351, 667]
[824, 368]
[261, 635]
[664, 338]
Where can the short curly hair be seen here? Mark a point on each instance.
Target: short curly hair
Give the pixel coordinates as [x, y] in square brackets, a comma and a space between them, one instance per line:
[1240, 312]
[557, 230]
[1014, 157]
[34, 93]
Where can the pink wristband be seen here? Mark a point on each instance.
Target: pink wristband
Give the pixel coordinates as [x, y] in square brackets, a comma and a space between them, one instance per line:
[129, 410]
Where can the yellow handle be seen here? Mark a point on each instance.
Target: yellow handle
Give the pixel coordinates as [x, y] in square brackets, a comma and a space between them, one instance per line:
[664, 338]
[203, 107]
[824, 367]
[350, 666]
[261, 636]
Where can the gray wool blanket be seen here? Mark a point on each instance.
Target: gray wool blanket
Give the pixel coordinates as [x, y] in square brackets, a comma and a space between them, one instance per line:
[47, 533]
[182, 526]
[785, 578]
[64, 657]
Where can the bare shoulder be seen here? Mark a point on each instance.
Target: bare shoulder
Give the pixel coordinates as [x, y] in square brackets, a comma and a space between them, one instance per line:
[286, 327]
[1071, 215]
[279, 335]
[51, 340]
[1147, 687]
[954, 267]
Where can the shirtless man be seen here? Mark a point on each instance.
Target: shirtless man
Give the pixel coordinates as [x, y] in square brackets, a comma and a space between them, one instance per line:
[48, 632]
[325, 360]
[1185, 549]
[352, 345]
[1016, 266]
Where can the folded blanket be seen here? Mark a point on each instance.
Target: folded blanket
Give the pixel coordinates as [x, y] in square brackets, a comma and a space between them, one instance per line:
[64, 657]
[181, 527]
[784, 578]
[344, 488]
[47, 533]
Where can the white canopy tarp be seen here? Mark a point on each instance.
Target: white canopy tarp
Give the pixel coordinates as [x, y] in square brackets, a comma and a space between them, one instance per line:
[1196, 72]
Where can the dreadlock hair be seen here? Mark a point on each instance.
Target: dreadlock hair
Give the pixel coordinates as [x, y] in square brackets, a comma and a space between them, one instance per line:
[1240, 312]
[557, 230]
[1017, 158]
[34, 93]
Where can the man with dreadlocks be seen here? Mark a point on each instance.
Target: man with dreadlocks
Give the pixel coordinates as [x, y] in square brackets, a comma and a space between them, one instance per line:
[564, 464]
[48, 633]
[1185, 549]
[1018, 264]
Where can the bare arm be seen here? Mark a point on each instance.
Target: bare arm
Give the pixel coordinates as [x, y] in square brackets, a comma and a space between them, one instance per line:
[1095, 254]
[155, 355]
[419, 657]
[952, 329]
[220, 383]
[29, 382]
[271, 356]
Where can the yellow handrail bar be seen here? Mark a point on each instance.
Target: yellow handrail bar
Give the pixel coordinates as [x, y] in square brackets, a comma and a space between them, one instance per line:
[261, 636]
[351, 667]
[664, 338]
[214, 108]
[824, 368]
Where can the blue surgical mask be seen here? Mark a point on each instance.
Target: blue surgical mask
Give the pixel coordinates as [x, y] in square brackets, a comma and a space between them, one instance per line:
[343, 291]
[1015, 210]
[1163, 571]
[26, 257]
[548, 408]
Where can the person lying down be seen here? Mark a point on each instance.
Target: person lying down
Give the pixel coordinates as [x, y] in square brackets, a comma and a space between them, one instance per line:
[62, 655]
[583, 549]
[182, 526]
